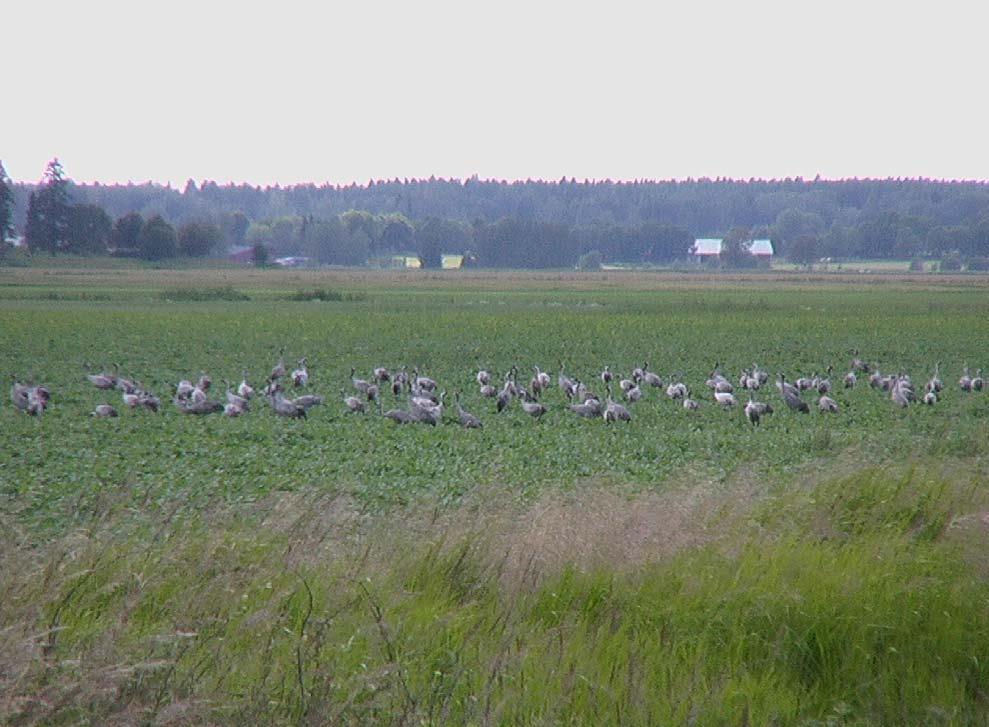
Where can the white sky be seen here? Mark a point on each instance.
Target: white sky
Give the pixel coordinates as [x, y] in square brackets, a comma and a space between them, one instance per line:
[292, 92]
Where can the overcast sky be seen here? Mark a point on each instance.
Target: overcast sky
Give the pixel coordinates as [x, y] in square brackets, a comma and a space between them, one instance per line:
[328, 92]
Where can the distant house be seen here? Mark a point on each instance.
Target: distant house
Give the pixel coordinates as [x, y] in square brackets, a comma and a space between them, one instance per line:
[448, 262]
[291, 262]
[241, 254]
[762, 249]
[706, 249]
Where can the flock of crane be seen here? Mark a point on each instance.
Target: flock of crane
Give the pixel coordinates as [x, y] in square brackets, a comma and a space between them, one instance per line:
[424, 399]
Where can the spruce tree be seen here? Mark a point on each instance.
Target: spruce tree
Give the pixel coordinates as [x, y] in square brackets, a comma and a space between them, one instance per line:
[6, 205]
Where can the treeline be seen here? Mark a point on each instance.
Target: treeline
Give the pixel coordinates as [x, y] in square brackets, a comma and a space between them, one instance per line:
[518, 224]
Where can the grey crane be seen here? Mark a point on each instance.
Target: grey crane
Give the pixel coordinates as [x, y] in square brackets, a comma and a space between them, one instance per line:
[286, 407]
[615, 412]
[901, 392]
[198, 408]
[792, 396]
[232, 410]
[300, 376]
[606, 375]
[824, 385]
[399, 416]
[563, 381]
[467, 420]
[308, 401]
[590, 409]
[531, 406]
[423, 382]
[543, 378]
[361, 385]
[504, 396]
[860, 365]
[352, 403]
[235, 399]
[104, 380]
[754, 410]
[935, 383]
[850, 380]
[279, 369]
[725, 398]
[244, 389]
[827, 404]
[103, 410]
[634, 394]
[19, 393]
[651, 379]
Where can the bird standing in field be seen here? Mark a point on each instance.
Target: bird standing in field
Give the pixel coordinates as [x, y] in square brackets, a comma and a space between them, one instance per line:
[300, 376]
[353, 404]
[531, 406]
[755, 410]
[467, 420]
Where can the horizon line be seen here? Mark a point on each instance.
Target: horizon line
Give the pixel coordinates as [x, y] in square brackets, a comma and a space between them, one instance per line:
[565, 179]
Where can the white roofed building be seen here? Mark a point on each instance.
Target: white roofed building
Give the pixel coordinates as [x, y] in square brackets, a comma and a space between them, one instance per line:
[762, 249]
[707, 248]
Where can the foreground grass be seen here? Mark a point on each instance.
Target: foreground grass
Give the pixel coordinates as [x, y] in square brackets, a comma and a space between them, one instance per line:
[856, 601]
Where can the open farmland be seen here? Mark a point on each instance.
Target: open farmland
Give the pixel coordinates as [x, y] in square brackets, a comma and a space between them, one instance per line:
[413, 573]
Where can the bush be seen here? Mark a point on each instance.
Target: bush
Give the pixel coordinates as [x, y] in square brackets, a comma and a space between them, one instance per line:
[202, 294]
[590, 260]
[198, 239]
[324, 294]
[917, 265]
[977, 263]
[157, 239]
[951, 263]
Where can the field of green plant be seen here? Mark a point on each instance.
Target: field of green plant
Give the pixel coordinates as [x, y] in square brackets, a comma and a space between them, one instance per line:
[682, 566]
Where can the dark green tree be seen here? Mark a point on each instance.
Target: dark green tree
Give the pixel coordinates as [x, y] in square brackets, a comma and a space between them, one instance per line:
[792, 223]
[6, 205]
[89, 230]
[666, 243]
[198, 239]
[259, 255]
[398, 235]
[804, 250]
[157, 240]
[48, 222]
[434, 236]
[126, 235]
[235, 226]
[735, 252]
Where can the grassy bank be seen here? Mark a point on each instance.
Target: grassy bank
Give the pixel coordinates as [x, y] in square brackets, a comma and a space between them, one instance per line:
[856, 601]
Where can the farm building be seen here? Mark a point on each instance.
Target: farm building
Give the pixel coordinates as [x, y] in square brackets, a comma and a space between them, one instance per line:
[762, 249]
[449, 262]
[706, 248]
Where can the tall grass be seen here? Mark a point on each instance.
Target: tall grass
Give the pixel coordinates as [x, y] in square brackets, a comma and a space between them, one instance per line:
[852, 602]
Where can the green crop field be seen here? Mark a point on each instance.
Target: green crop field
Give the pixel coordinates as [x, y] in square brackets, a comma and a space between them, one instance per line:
[685, 566]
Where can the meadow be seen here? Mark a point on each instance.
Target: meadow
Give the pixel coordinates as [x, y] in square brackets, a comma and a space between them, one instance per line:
[681, 567]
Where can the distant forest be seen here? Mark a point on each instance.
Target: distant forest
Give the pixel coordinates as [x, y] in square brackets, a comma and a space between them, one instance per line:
[511, 224]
